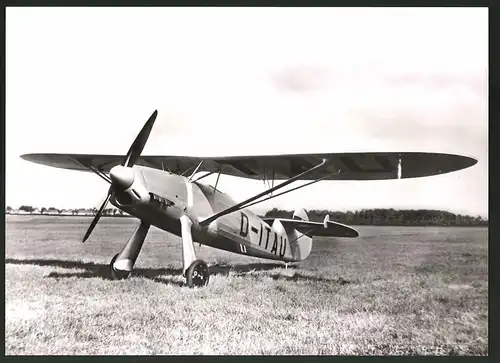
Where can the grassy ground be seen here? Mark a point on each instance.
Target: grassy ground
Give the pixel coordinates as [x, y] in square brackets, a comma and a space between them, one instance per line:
[394, 290]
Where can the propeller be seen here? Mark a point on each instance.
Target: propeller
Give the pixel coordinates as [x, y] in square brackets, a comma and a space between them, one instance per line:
[97, 216]
[138, 145]
[122, 176]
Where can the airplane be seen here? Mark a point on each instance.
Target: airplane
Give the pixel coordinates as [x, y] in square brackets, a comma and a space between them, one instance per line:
[162, 191]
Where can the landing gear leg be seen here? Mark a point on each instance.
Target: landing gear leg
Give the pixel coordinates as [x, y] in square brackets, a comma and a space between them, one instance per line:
[121, 265]
[195, 271]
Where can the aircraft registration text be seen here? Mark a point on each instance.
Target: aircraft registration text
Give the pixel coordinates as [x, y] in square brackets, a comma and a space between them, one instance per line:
[265, 235]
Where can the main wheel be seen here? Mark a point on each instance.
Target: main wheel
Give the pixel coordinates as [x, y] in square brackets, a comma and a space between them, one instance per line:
[117, 274]
[197, 274]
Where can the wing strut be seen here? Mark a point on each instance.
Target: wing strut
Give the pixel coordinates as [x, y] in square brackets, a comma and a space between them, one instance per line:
[90, 167]
[266, 180]
[279, 186]
[216, 183]
[195, 170]
[203, 176]
[291, 190]
[304, 234]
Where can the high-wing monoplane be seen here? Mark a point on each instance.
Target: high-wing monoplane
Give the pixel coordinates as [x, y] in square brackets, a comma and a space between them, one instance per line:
[162, 191]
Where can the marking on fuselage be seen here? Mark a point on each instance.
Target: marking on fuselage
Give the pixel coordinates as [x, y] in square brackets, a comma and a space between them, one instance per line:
[243, 248]
[244, 225]
[282, 246]
[260, 235]
[275, 244]
[267, 237]
[255, 230]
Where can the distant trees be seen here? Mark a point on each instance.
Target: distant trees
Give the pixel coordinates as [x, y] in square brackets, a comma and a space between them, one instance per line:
[419, 217]
[278, 213]
[27, 208]
[74, 211]
[388, 217]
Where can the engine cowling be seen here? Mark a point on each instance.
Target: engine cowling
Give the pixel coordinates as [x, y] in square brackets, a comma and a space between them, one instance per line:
[130, 186]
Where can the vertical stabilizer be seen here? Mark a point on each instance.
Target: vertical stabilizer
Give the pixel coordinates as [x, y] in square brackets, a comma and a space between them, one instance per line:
[300, 244]
[300, 214]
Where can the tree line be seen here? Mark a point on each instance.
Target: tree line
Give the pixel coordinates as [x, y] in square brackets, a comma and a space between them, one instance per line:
[384, 217]
[388, 217]
[75, 211]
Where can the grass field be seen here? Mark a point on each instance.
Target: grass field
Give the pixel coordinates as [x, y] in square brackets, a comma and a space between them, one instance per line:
[393, 291]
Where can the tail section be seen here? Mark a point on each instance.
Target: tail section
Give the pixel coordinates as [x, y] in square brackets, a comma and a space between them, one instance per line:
[300, 214]
[300, 243]
[299, 231]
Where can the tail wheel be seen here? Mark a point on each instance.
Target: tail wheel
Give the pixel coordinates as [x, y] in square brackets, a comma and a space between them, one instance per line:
[117, 274]
[197, 274]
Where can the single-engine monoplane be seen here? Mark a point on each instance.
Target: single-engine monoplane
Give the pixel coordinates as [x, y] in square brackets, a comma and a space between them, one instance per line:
[162, 191]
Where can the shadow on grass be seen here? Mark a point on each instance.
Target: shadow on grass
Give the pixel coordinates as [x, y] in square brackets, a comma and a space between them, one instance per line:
[92, 269]
[166, 275]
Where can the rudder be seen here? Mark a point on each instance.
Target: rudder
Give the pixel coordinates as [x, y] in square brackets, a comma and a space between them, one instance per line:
[300, 245]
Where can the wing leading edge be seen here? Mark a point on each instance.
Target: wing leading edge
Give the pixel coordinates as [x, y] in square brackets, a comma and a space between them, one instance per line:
[341, 166]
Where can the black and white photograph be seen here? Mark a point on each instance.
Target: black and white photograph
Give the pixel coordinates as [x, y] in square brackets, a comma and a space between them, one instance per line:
[246, 181]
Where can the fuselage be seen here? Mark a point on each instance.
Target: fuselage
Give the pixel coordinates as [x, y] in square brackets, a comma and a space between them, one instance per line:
[161, 198]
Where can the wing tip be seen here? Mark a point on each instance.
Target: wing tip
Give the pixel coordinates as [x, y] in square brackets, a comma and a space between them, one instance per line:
[355, 233]
[460, 162]
[29, 157]
[471, 161]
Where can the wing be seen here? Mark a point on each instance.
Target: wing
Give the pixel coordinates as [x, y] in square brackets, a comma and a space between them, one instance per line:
[341, 166]
[104, 163]
[333, 229]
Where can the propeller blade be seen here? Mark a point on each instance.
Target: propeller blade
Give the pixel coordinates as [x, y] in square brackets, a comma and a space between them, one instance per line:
[121, 177]
[97, 217]
[139, 142]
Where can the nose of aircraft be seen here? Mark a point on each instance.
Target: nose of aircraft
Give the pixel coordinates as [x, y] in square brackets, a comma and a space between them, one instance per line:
[122, 176]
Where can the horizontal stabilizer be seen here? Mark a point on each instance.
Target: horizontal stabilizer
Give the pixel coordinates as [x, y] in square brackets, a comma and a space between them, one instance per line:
[325, 229]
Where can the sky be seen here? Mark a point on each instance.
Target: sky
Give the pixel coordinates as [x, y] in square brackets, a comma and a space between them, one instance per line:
[249, 81]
